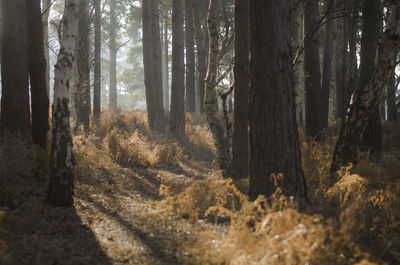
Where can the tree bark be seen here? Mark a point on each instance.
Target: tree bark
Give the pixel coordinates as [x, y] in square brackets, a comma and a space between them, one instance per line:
[367, 98]
[327, 63]
[113, 57]
[240, 140]
[274, 145]
[190, 58]
[339, 46]
[372, 137]
[201, 54]
[97, 61]
[15, 114]
[45, 23]
[391, 98]
[177, 118]
[165, 69]
[82, 91]
[37, 71]
[61, 186]
[314, 126]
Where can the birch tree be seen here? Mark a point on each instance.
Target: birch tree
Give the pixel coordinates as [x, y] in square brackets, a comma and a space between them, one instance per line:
[61, 186]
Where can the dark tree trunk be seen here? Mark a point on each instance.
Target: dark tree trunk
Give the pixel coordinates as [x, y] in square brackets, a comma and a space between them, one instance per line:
[339, 44]
[314, 126]
[274, 144]
[152, 65]
[97, 61]
[352, 58]
[190, 58]
[113, 57]
[61, 185]
[177, 118]
[240, 140]
[391, 98]
[201, 54]
[37, 71]
[165, 69]
[372, 138]
[15, 115]
[82, 91]
[367, 98]
[158, 122]
[327, 65]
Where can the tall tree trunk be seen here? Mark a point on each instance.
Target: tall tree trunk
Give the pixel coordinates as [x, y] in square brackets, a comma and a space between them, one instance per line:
[61, 186]
[15, 115]
[113, 57]
[37, 71]
[296, 35]
[152, 65]
[82, 92]
[240, 139]
[391, 98]
[372, 138]
[339, 46]
[177, 118]
[352, 58]
[165, 68]
[327, 64]
[46, 4]
[314, 126]
[367, 98]
[190, 58]
[97, 60]
[274, 145]
[201, 54]
[221, 142]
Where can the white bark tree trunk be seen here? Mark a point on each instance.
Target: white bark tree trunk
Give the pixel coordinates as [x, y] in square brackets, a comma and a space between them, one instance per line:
[61, 187]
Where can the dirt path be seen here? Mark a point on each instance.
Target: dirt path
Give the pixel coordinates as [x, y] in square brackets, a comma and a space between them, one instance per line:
[114, 221]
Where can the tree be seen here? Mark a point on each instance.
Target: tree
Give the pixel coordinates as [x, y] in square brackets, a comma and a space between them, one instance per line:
[201, 44]
[190, 58]
[327, 63]
[82, 91]
[177, 118]
[221, 142]
[38, 75]
[372, 135]
[152, 66]
[165, 70]
[240, 139]
[113, 56]
[15, 114]
[61, 186]
[274, 144]
[391, 97]
[314, 126]
[366, 99]
[340, 50]
[46, 4]
[97, 60]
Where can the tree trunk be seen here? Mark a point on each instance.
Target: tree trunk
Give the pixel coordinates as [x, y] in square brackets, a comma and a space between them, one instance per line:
[240, 140]
[45, 25]
[201, 55]
[391, 98]
[97, 61]
[61, 186]
[327, 64]
[372, 138]
[82, 91]
[314, 126]
[37, 71]
[15, 114]
[339, 46]
[221, 142]
[165, 68]
[366, 99]
[177, 118]
[190, 58]
[274, 145]
[113, 57]
[296, 35]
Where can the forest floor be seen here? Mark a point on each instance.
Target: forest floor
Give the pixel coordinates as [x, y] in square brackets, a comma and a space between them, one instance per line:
[142, 198]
